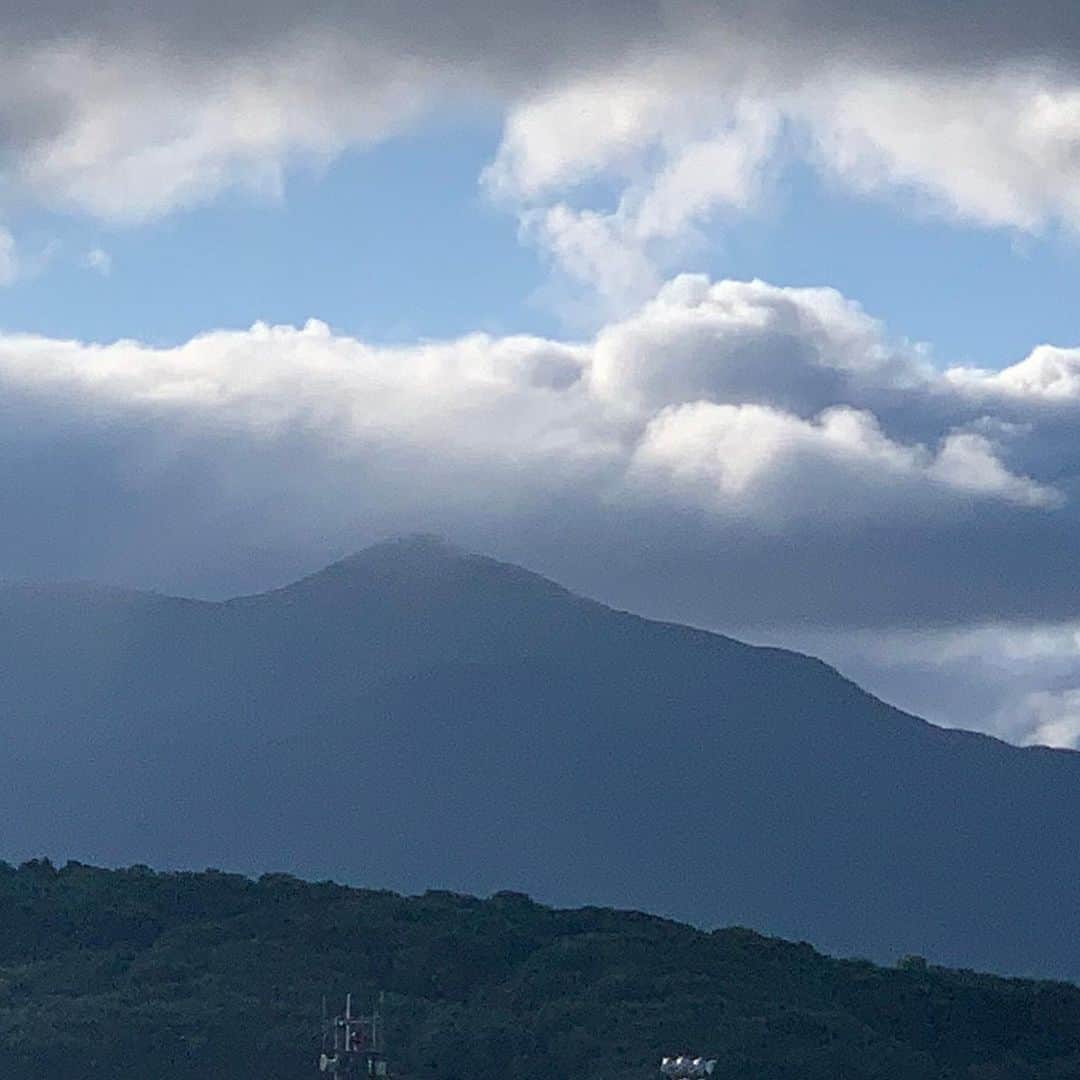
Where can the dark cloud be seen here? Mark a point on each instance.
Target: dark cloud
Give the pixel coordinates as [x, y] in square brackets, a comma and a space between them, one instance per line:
[176, 102]
[919, 32]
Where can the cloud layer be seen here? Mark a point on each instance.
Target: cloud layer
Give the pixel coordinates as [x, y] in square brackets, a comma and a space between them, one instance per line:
[1019, 682]
[768, 452]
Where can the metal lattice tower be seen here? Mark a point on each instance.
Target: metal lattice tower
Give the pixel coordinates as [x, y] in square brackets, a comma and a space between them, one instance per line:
[353, 1046]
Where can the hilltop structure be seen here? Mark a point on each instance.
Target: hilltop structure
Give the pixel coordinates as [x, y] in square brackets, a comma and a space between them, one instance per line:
[353, 1045]
[687, 1068]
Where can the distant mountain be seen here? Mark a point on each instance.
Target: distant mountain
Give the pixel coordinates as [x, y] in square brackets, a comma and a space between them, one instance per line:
[130, 974]
[416, 716]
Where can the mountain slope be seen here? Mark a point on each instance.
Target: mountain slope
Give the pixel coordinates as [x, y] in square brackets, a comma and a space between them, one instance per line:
[116, 975]
[415, 715]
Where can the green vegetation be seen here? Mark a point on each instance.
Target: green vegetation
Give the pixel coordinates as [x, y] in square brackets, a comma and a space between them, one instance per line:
[116, 974]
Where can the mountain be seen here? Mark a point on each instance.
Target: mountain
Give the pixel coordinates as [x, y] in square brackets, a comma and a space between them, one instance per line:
[417, 716]
[124, 974]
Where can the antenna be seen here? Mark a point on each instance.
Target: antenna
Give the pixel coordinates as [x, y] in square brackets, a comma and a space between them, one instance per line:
[352, 1046]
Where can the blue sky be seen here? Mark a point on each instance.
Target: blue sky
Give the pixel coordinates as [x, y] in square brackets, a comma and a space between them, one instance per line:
[398, 242]
[356, 243]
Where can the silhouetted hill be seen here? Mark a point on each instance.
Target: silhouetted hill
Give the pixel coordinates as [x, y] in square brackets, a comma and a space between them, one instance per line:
[415, 715]
[118, 975]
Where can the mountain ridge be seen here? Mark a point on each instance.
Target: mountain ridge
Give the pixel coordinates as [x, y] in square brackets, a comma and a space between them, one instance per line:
[426, 554]
[432, 552]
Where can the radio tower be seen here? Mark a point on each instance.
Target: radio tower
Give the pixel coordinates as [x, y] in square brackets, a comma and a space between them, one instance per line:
[352, 1046]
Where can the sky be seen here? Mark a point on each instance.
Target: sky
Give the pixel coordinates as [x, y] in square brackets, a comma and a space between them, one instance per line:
[760, 317]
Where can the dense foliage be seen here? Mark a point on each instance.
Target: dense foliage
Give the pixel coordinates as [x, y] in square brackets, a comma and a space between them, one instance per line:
[131, 973]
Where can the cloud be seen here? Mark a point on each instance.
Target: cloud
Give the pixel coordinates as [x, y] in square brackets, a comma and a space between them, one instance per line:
[1018, 682]
[619, 254]
[989, 146]
[742, 342]
[988, 136]
[760, 436]
[721, 385]
[753, 459]
[128, 131]
[1048, 374]
[128, 113]
[683, 109]
[98, 260]
[1054, 718]
[993, 148]
[677, 150]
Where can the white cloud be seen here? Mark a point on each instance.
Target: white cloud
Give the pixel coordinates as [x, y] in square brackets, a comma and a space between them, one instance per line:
[98, 260]
[991, 678]
[739, 397]
[967, 462]
[621, 253]
[683, 109]
[997, 148]
[736, 341]
[1047, 374]
[755, 459]
[594, 249]
[721, 169]
[678, 151]
[1053, 718]
[571, 134]
[703, 132]
[127, 132]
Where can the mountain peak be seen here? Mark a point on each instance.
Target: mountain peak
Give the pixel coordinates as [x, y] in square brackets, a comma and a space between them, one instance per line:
[413, 548]
[420, 563]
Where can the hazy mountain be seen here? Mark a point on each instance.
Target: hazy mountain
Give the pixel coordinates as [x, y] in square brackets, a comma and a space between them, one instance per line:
[128, 974]
[415, 716]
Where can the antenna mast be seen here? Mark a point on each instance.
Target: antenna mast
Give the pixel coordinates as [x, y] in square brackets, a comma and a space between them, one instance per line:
[352, 1046]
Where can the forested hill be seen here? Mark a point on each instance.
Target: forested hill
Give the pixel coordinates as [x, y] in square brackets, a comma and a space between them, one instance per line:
[131, 973]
